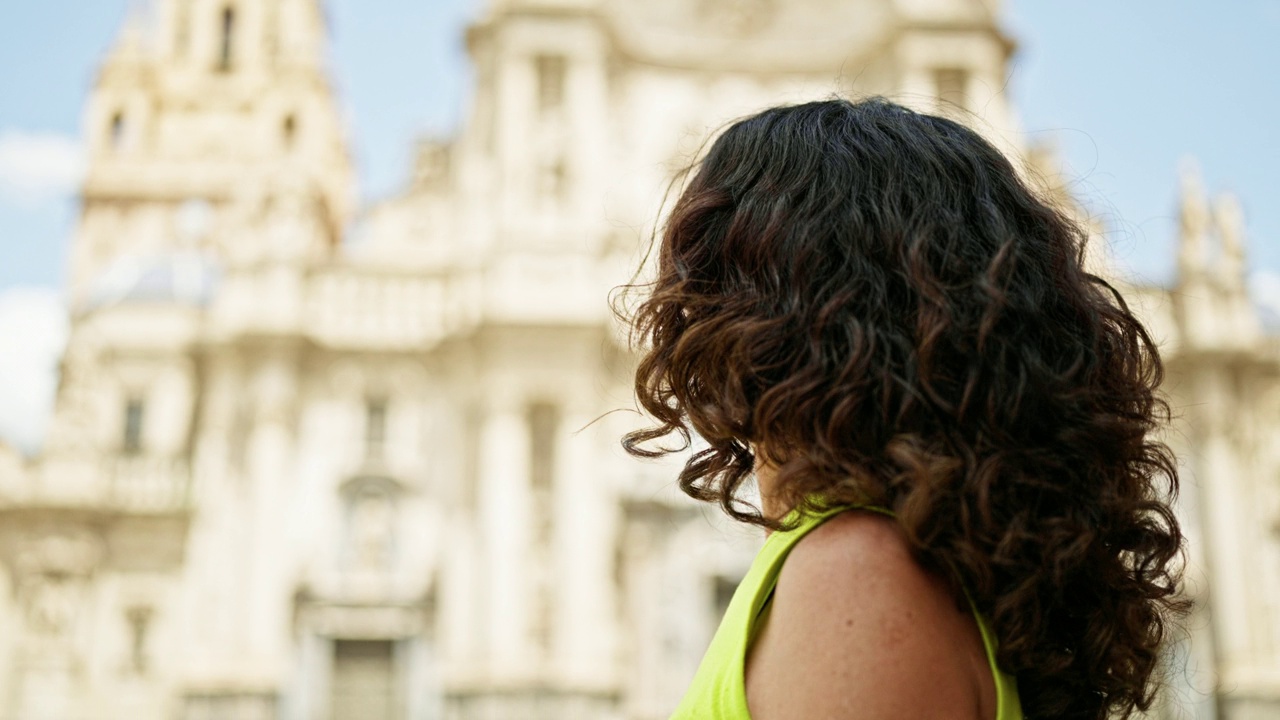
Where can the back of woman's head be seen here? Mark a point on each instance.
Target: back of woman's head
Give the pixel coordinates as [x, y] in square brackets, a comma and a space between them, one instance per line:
[875, 300]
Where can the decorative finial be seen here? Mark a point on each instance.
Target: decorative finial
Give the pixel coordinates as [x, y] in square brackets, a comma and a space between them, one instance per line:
[130, 44]
[1194, 219]
[1229, 220]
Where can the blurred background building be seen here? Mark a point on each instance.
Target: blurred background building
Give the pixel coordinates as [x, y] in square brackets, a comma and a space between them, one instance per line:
[292, 476]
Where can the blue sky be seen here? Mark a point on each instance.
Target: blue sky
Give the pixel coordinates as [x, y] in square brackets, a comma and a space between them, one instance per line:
[1131, 87]
[1126, 88]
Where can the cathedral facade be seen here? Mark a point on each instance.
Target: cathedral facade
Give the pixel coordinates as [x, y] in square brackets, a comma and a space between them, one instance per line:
[312, 461]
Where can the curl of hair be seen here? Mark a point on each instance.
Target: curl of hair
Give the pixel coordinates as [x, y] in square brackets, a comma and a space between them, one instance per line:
[872, 297]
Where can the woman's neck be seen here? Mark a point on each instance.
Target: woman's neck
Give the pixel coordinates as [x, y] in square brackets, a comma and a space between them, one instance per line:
[771, 503]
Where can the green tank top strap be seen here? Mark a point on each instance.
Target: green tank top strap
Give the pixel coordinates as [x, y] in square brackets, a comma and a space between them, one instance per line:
[718, 690]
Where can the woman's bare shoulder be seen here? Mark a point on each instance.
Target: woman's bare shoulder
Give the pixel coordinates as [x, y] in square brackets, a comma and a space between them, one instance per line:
[858, 629]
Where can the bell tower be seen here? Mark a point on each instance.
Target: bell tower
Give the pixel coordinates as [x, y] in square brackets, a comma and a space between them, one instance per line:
[228, 36]
[199, 104]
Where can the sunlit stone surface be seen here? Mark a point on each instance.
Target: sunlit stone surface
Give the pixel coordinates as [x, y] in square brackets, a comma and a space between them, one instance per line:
[296, 474]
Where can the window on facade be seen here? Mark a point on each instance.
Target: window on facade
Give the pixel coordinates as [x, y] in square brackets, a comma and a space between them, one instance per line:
[951, 85]
[543, 419]
[363, 685]
[227, 39]
[551, 74]
[289, 131]
[139, 619]
[375, 428]
[132, 441]
[116, 130]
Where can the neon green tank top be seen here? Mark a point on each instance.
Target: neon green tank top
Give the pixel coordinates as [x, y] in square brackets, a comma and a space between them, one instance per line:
[718, 691]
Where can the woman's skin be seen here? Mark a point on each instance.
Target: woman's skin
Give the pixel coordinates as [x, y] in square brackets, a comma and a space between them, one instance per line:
[858, 630]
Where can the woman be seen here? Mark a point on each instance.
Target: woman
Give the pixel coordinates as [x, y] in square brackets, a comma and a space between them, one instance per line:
[948, 418]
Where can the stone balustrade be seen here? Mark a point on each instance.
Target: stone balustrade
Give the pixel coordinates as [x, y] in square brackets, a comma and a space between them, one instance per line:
[148, 483]
[139, 484]
[382, 309]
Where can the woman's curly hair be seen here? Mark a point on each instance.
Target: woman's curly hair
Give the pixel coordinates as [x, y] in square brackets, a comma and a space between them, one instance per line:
[873, 297]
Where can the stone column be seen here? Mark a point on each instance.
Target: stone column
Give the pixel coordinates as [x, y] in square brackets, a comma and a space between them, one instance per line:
[421, 679]
[1218, 473]
[504, 515]
[271, 466]
[586, 529]
[309, 694]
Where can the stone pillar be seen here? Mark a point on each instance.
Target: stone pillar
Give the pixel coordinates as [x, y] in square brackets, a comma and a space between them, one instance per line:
[586, 535]
[270, 461]
[308, 696]
[917, 90]
[647, 692]
[587, 113]
[504, 515]
[1219, 478]
[421, 679]
[460, 586]
[1193, 675]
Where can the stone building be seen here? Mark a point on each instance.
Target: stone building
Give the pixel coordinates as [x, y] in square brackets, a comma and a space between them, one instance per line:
[303, 473]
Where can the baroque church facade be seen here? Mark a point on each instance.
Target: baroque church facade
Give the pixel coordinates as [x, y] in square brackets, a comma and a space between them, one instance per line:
[294, 474]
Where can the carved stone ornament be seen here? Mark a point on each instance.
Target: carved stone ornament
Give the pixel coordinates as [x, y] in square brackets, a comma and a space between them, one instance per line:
[51, 571]
[736, 17]
[748, 36]
[381, 621]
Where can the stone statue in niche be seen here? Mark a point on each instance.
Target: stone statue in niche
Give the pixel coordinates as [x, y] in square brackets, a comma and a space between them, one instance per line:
[51, 600]
[372, 531]
[552, 160]
[139, 620]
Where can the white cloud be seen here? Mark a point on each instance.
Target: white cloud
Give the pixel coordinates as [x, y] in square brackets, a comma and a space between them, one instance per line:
[1264, 286]
[33, 331]
[37, 167]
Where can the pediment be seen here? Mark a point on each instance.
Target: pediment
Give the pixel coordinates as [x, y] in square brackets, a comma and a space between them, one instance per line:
[748, 35]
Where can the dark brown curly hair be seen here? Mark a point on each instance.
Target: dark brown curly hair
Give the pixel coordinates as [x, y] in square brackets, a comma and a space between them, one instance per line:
[873, 297]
